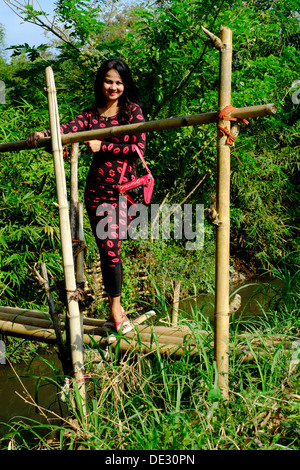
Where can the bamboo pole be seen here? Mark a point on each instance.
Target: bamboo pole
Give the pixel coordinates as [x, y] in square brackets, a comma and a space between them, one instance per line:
[74, 188]
[165, 335]
[221, 316]
[65, 234]
[25, 320]
[124, 345]
[143, 317]
[95, 326]
[176, 302]
[150, 126]
[17, 311]
[24, 311]
[30, 332]
[76, 217]
[142, 345]
[80, 255]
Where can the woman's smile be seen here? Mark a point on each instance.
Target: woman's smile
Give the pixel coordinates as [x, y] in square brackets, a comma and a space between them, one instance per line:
[113, 86]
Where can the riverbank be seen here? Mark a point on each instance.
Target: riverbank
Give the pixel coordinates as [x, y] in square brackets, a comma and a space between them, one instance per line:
[148, 402]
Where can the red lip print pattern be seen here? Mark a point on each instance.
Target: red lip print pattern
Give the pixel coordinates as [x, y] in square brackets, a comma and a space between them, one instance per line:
[103, 176]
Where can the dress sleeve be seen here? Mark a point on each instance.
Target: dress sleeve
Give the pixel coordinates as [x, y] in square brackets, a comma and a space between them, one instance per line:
[127, 145]
[80, 123]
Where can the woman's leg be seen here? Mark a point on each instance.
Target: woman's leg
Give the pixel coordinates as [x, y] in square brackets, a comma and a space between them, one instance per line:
[106, 227]
[113, 279]
[116, 311]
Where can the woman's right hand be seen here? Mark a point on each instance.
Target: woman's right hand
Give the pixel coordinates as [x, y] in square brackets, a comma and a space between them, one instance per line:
[94, 145]
[32, 139]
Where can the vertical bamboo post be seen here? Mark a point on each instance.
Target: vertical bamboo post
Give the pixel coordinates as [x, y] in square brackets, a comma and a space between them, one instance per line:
[74, 188]
[76, 338]
[223, 230]
[63, 350]
[176, 302]
[80, 256]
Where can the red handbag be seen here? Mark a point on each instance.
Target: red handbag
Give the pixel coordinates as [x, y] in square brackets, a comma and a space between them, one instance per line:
[140, 190]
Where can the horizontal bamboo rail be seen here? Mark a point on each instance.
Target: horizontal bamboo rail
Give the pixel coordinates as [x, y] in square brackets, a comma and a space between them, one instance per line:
[150, 126]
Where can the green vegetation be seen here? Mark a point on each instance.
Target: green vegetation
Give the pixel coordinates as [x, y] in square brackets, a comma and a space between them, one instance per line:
[140, 401]
[150, 402]
[177, 73]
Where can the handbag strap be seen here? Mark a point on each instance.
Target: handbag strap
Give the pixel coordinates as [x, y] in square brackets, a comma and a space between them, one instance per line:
[123, 171]
[142, 158]
[135, 147]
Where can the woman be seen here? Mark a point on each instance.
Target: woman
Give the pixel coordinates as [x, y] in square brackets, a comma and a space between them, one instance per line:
[116, 103]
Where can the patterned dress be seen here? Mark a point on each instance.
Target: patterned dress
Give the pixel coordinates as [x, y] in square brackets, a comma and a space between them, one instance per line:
[107, 212]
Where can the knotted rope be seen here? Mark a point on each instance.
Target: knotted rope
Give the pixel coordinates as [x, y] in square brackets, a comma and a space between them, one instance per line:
[225, 115]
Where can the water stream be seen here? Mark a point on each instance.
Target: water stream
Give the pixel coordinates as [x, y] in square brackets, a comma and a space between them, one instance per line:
[255, 300]
[20, 380]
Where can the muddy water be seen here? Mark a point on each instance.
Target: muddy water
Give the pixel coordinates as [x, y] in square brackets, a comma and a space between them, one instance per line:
[255, 300]
[13, 382]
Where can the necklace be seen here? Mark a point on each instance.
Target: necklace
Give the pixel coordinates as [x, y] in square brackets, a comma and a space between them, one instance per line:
[107, 117]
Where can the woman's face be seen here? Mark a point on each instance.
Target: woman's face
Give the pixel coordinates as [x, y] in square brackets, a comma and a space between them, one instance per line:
[113, 86]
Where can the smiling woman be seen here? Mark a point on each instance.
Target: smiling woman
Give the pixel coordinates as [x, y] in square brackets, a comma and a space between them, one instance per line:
[116, 102]
[112, 89]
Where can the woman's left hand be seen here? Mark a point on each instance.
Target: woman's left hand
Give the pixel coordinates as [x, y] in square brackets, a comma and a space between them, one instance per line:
[94, 145]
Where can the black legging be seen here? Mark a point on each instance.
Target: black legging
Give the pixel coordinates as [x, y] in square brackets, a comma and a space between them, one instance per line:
[110, 223]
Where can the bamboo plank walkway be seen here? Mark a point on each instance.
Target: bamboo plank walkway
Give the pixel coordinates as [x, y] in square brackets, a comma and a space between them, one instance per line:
[37, 326]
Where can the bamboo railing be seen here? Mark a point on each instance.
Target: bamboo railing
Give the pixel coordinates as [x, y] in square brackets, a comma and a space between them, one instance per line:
[150, 126]
[221, 317]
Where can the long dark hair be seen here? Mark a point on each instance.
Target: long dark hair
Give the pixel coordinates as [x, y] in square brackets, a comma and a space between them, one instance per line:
[130, 93]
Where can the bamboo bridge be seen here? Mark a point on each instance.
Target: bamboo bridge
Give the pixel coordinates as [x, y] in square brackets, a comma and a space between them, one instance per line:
[37, 326]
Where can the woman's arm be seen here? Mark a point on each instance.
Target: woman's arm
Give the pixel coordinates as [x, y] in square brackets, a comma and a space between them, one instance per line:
[32, 139]
[113, 147]
[80, 123]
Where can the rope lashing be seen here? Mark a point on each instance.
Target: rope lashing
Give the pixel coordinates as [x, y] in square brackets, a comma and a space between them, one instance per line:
[225, 131]
[78, 294]
[79, 246]
[225, 115]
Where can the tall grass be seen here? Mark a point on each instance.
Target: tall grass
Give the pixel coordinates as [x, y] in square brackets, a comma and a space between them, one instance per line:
[152, 402]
